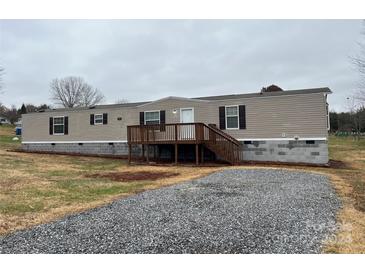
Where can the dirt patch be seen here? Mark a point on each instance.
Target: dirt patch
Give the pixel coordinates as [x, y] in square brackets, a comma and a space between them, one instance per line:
[133, 176]
[338, 164]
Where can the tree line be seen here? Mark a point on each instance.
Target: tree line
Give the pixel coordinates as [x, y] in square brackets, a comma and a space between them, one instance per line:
[13, 114]
[68, 92]
[348, 122]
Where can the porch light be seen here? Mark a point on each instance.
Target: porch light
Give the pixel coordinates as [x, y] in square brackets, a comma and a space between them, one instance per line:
[174, 111]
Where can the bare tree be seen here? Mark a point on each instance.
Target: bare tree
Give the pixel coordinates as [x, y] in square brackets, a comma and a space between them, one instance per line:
[73, 92]
[12, 114]
[90, 97]
[354, 108]
[67, 91]
[359, 62]
[3, 109]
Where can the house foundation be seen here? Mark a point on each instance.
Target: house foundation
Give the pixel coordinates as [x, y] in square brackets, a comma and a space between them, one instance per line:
[112, 148]
[291, 151]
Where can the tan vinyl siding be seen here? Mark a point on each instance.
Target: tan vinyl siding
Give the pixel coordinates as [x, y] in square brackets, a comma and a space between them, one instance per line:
[169, 105]
[36, 126]
[302, 115]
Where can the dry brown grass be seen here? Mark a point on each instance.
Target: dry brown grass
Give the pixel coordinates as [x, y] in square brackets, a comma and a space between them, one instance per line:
[350, 185]
[350, 237]
[37, 188]
[27, 201]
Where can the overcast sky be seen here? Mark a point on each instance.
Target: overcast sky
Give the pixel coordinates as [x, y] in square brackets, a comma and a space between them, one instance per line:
[141, 60]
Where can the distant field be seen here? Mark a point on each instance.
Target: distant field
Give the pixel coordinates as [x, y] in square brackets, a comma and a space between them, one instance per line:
[36, 188]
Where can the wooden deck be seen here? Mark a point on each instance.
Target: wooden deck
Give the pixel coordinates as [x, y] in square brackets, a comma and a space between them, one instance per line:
[222, 144]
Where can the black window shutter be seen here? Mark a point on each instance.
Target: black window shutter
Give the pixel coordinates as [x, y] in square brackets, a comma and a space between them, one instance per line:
[222, 117]
[66, 125]
[50, 125]
[105, 118]
[91, 119]
[162, 119]
[242, 115]
[141, 118]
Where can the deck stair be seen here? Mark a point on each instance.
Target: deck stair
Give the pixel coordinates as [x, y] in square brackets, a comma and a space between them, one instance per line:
[222, 144]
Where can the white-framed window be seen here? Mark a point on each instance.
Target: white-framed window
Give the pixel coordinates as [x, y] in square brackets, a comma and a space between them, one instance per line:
[232, 117]
[98, 119]
[152, 117]
[59, 125]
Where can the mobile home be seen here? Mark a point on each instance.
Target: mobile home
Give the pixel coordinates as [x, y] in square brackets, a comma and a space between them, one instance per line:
[275, 126]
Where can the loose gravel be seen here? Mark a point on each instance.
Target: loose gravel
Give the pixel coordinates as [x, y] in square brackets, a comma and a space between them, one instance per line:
[232, 211]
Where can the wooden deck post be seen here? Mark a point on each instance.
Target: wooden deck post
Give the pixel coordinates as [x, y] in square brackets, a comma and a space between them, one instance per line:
[197, 154]
[202, 153]
[198, 134]
[148, 153]
[176, 153]
[143, 154]
[158, 153]
[129, 153]
[129, 145]
[176, 149]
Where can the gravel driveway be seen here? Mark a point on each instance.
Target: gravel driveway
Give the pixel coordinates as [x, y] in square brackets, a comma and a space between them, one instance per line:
[232, 211]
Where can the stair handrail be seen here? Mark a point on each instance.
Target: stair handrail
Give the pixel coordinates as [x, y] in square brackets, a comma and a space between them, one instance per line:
[224, 135]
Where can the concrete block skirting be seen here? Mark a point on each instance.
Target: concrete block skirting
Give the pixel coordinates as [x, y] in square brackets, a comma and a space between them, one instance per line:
[301, 151]
[117, 148]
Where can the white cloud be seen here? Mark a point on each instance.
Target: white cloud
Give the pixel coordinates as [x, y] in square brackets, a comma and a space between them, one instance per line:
[143, 60]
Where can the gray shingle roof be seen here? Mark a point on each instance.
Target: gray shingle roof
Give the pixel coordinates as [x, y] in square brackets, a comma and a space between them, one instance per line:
[265, 94]
[209, 98]
[97, 107]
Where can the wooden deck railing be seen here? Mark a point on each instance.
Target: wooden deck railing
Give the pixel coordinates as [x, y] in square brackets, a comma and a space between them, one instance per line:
[224, 145]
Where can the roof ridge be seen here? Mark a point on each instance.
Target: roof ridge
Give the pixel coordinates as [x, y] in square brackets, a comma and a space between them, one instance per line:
[268, 93]
[206, 98]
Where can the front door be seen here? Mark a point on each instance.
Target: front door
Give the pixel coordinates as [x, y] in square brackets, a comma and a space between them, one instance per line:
[187, 132]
